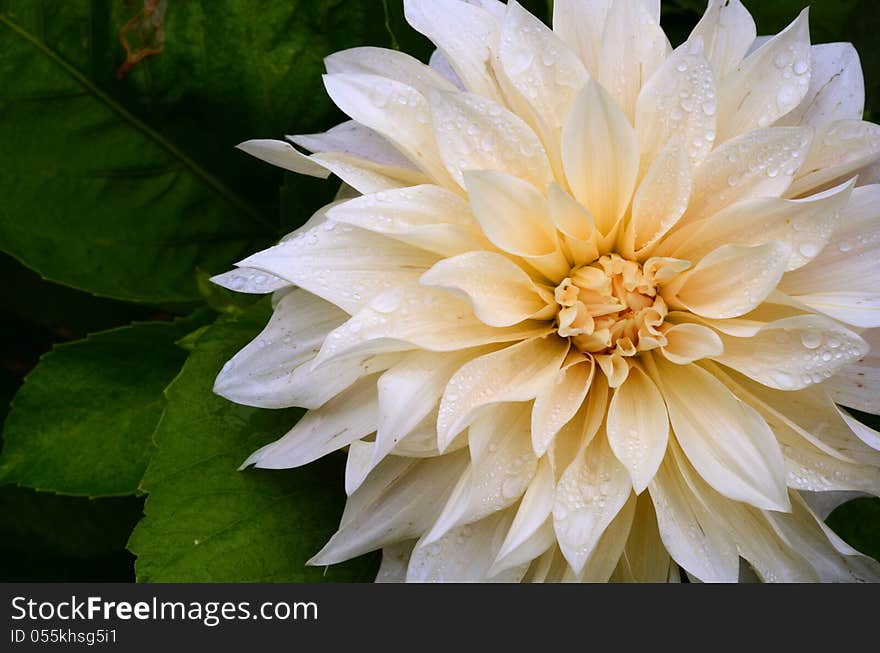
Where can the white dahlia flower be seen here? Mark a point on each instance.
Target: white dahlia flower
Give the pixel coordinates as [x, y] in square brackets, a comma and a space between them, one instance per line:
[589, 310]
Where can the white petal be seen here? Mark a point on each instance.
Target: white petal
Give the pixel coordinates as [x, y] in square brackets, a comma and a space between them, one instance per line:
[731, 280]
[465, 34]
[824, 503]
[426, 216]
[686, 343]
[661, 199]
[501, 293]
[580, 23]
[856, 384]
[366, 176]
[517, 373]
[398, 502]
[283, 155]
[769, 83]
[473, 133]
[839, 150]
[274, 371]
[837, 88]
[441, 64]
[342, 264]
[502, 466]
[726, 31]
[678, 101]
[638, 427]
[600, 155]
[760, 163]
[411, 317]
[695, 538]
[558, 403]
[541, 67]
[464, 555]
[393, 64]
[727, 441]
[342, 420]
[356, 140]
[248, 280]
[805, 225]
[591, 492]
[794, 352]
[396, 111]
[633, 47]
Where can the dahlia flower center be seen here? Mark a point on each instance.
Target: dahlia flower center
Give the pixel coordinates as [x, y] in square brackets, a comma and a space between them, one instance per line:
[611, 306]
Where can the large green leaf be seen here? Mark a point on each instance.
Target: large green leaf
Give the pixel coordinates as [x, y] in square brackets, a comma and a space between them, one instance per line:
[82, 422]
[204, 520]
[124, 187]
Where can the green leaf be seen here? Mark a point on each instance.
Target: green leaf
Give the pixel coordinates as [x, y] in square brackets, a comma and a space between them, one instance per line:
[858, 523]
[123, 187]
[206, 521]
[82, 422]
[48, 537]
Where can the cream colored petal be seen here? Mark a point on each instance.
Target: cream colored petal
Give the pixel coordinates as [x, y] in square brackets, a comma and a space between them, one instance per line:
[769, 556]
[726, 31]
[837, 88]
[501, 293]
[859, 309]
[465, 34]
[464, 555]
[645, 558]
[354, 139]
[539, 64]
[511, 212]
[768, 84]
[502, 466]
[638, 427]
[283, 155]
[577, 434]
[730, 281]
[805, 225]
[537, 544]
[660, 200]
[249, 280]
[856, 384]
[342, 420]
[794, 352]
[727, 441]
[441, 64]
[633, 48]
[398, 502]
[517, 373]
[581, 23]
[532, 522]
[839, 150]
[850, 262]
[608, 551]
[411, 317]
[396, 111]
[600, 155]
[342, 264]
[393, 64]
[473, 133]
[695, 538]
[678, 102]
[591, 492]
[395, 559]
[579, 236]
[427, 216]
[558, 403]
[804, 533]
[760, 163]
[686, 343]
[366, 176]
